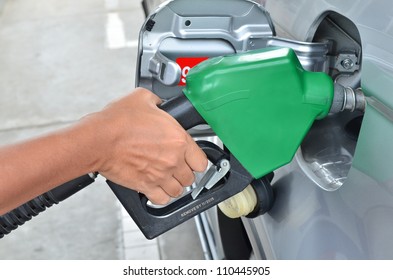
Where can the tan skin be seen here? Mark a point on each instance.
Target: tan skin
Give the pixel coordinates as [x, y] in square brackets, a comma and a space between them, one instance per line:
[130, 142]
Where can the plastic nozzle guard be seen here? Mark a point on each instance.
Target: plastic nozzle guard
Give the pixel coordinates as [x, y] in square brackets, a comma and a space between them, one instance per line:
[255, 200]
[240, 204]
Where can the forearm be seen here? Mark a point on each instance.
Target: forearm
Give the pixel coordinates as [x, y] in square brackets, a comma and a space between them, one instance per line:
[31, 168]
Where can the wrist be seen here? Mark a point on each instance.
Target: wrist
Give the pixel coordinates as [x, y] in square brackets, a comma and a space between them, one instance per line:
[86, 145]
[98, 136]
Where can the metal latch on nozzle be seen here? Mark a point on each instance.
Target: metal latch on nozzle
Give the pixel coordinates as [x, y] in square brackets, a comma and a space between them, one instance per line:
[212, 176]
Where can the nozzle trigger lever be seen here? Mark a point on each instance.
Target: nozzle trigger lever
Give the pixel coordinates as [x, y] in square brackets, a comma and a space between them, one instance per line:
[213, 175]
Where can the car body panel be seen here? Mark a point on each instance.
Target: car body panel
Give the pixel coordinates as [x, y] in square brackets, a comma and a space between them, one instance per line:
[356, 220]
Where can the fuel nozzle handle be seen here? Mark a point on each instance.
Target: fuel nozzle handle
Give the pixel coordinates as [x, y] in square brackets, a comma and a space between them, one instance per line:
[154, 220]
[183, 111]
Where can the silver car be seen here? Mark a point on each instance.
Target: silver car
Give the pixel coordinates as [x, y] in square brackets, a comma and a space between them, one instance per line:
[334, 200]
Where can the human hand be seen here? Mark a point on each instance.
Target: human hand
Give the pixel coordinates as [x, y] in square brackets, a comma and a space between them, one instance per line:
[143, 148]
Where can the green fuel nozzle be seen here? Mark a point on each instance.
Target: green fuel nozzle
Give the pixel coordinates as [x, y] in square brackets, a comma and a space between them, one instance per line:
[262, 103]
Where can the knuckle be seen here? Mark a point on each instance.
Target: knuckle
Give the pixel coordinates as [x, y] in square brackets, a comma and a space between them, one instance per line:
[157, 196]
[175, 192]
[157, 177]
[188, 179]
[171, 160]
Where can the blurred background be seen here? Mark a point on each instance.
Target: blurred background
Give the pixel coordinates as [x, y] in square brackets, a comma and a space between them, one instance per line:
[60, 60]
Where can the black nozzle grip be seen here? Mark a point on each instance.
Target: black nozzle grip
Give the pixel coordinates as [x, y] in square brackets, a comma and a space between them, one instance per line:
[183, 111]
[153, 221]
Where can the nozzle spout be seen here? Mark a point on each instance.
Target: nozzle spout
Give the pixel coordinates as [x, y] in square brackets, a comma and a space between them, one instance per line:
[347, 99]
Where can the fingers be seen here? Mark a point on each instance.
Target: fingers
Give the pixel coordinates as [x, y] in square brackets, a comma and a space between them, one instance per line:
[195, 157]
[172, 187]
[157, 195]
[184, 175]
[161, 195]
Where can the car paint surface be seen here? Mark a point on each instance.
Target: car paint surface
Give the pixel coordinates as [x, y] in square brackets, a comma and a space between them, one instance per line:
[355, 221]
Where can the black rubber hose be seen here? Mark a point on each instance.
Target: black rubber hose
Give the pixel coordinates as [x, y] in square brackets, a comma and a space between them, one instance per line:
[24, 213]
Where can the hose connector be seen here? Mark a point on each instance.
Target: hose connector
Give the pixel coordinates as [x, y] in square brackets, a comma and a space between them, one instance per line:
[347, 99]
